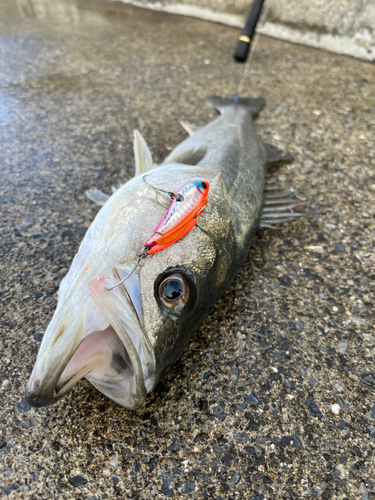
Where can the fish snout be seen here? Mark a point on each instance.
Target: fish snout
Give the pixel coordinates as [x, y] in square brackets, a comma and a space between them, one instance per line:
[35, 396]
[40, 390]
[99, 337]
[59, 343]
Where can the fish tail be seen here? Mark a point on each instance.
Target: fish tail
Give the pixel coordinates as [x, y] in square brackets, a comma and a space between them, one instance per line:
[223, 103]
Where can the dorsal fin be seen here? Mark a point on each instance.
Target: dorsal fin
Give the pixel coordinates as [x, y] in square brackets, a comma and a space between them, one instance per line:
[189, 127]
[191, 156]
[142, 154]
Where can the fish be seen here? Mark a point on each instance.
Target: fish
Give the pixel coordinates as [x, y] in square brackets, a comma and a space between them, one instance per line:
[124, 337]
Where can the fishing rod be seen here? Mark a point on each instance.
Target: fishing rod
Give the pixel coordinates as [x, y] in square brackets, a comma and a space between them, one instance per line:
[242, 49]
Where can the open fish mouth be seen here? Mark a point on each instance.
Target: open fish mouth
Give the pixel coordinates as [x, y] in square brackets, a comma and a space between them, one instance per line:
[101, 357]
[113, 353]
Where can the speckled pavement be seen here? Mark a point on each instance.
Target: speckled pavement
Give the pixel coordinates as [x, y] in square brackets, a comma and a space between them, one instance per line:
[274, 397]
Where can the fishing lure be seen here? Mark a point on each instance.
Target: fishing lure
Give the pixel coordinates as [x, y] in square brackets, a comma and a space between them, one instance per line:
[183, 214]
[187, 206]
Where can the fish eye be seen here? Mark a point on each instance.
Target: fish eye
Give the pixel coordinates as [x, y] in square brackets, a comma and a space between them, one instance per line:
[176, 291]
[173, 291]
[204, 185]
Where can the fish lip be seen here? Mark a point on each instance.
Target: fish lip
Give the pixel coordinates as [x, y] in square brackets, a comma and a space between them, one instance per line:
[37, 400]
[38, 396]
[40, 400]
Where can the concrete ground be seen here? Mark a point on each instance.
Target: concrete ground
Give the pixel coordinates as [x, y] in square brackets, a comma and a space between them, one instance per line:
[274, 397]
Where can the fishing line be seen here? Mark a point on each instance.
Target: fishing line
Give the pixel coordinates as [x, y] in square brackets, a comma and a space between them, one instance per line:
[242, 57]
[178, 196]
[142, 256]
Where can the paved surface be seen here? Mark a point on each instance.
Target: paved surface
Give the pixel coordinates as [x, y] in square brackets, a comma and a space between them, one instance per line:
[275, 395]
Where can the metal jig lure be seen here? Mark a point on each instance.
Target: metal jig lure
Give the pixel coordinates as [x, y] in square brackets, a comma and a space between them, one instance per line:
[187, 206]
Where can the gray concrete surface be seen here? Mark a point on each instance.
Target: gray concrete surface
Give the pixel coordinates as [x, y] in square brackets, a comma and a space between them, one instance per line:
[275, 395]
[341, 26]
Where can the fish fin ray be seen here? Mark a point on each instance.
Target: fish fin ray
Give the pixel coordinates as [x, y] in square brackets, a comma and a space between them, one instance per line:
[97, 196]
[142, 154]
[275, 156]
[279, 205]
[190, 156]
[266, 225]
[221, 103]
[189, 127]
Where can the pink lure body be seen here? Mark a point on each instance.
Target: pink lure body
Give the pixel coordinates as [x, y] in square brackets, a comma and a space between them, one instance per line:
[186, 207]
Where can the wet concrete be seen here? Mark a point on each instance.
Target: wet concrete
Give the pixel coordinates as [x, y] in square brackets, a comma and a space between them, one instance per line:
[275, 395]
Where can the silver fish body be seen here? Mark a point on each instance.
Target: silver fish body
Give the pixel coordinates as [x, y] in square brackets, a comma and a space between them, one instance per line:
[124, 339]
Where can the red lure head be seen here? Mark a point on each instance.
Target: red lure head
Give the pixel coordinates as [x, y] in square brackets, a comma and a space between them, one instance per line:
[186, 207]
[203, 187]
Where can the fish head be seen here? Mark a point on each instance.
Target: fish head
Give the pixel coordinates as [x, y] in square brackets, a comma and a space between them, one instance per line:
[123, 338]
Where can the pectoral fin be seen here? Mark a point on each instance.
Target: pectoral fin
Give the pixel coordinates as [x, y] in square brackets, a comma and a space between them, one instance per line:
[97, 196]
